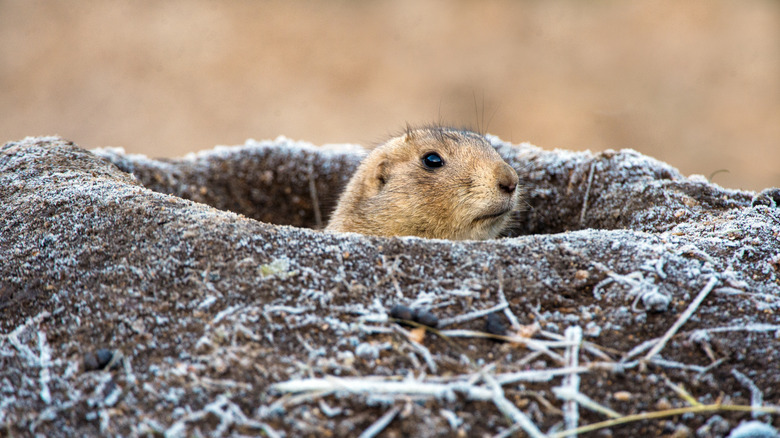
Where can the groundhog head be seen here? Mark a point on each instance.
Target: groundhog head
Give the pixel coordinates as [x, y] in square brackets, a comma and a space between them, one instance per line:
[432, 182]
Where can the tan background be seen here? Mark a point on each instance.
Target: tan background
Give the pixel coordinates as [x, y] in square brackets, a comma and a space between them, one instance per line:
[693, 83]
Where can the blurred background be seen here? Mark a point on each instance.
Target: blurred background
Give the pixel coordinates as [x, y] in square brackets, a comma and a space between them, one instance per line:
[693, 83]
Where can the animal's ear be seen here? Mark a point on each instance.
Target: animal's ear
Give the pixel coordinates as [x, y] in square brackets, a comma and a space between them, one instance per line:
[382, 173]
[379, 176]
[409, 133]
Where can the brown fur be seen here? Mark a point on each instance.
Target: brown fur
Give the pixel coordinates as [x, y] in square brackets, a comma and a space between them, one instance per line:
[392, 193]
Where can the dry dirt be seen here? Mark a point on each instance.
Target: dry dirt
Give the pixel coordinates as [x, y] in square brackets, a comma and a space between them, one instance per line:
[131, 307]
[694, 83]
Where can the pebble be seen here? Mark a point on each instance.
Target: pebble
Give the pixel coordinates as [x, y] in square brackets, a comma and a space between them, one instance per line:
[494, 325]
[98, 360]
[421, 316]
[425, 318]
[399, 311]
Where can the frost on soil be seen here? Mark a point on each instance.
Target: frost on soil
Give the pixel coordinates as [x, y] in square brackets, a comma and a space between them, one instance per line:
[193, 297]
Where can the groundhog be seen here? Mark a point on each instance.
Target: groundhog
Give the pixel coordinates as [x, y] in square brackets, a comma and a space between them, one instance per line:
[432, 182]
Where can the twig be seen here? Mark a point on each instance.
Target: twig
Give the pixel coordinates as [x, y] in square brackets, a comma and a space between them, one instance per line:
[508, 432]
[451, 417]
[663, 414]
[683, 393]
[373, 329]
[510, 410]
[287, 309]
[502, 300]
[737, 328]
[367, 385]
[587, 193]
[683, 318]
[328, 410]
[472, 315]
[417, 346]
[734, 291]
[544, 375]
[44, 362]
[532, 344]
[565, 393]
[222, 314]
[48, 414]
[525, 360]
[380, 424]
[279, 405]
[314, 198]
[641, 288]
[678, 365]
[571, 382]
[639, 349]
[228, 413]
[756, 396]
[13, 338]
[590, 347]
[713, 365]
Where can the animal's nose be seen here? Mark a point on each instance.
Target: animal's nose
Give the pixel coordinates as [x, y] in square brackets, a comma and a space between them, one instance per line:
[507, 179]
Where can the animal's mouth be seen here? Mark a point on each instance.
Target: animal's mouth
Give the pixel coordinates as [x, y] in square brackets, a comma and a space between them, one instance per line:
[492, 216]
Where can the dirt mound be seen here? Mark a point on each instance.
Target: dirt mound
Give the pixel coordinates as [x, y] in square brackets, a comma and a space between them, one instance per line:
[133, 302]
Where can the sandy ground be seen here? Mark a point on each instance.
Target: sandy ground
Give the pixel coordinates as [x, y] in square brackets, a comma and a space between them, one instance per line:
[696, 84]
[125, 311]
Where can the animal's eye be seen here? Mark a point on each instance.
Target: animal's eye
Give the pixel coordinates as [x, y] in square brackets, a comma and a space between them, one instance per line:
[432, 160]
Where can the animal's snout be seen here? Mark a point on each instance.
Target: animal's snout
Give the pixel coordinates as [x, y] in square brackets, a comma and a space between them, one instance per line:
[507, 179]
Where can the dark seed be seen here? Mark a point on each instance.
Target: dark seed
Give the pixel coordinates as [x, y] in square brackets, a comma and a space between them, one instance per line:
[400, 311]
[97, 360]
[426, 318]
[494, 325]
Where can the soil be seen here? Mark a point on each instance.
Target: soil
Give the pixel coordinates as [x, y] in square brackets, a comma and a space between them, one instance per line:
[195, 296]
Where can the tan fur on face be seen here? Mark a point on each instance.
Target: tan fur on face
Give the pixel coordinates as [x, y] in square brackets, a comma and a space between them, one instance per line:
[392, 193]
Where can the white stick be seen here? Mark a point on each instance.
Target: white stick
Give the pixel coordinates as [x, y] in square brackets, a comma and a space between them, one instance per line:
[473, 315]
[510, 410]
[587, 193]
[426, 354]
[44, 362]
[683, 318]
[507, 311]
[314, 198]
[756, 396]
[531, 344]
[565, 393]
[380, 424]
[539, 375]
[739, 328]
[571, 414]
[365, 385]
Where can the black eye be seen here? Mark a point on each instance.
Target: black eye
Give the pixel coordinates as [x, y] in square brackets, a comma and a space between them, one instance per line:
[432, 160]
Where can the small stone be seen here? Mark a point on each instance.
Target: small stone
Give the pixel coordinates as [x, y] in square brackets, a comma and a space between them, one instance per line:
[622, 396]
[399, 311]
[417, 334]
[663, 404]
[681, 431]
[494, 325]
[98, 360]
[425, 318]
